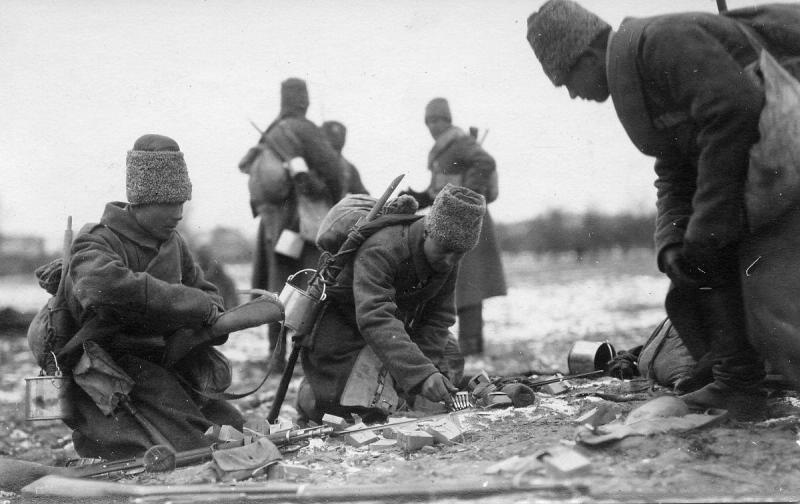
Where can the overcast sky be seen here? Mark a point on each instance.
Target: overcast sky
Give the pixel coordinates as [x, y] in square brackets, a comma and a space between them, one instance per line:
[81, 80]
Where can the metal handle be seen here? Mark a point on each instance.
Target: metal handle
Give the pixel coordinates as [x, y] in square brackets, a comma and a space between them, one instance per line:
[323, 295]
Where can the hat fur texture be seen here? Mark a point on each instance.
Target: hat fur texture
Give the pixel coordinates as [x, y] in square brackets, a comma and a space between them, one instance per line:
[438, 107]
[294, 95]
[559, 33]
[156, 172]
[455, 218]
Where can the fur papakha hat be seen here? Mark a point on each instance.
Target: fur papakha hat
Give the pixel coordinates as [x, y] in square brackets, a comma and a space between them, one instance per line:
[156, 172]
[438, 107]
[456, 217]
[294, 95]
[559, 33]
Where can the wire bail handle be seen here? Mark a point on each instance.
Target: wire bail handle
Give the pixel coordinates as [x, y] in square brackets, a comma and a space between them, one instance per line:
[291, 277]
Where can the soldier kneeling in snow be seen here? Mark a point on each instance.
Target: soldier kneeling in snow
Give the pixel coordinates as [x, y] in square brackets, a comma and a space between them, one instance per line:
[144, 308]
[387, 321]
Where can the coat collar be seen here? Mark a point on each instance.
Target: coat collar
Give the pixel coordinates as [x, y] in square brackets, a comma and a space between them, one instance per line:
[625, 86]
[447, 137]
[118, 217]
[416, 242]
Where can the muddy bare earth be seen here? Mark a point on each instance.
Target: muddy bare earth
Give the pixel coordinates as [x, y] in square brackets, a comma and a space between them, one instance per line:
[531, 454]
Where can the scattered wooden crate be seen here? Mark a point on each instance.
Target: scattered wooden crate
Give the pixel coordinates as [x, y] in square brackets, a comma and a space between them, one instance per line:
[413, 440]
[359, 439]
[445, 432]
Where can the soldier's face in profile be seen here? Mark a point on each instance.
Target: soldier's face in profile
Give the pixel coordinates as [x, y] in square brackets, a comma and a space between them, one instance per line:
[440, 259]
[587, 79]
[159, 219]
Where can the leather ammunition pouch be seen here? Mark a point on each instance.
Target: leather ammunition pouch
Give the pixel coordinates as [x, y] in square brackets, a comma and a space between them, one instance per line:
[370, 385]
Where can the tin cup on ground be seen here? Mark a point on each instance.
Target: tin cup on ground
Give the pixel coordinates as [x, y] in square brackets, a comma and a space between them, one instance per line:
[588, 356]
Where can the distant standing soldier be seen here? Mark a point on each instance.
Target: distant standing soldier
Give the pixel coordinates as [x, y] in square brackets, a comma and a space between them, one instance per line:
[294, 136]
[336, 133]
[680, 89]
[457, 158]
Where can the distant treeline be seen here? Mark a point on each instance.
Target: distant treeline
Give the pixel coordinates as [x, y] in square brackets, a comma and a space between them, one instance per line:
[556, 231]
[559, 231]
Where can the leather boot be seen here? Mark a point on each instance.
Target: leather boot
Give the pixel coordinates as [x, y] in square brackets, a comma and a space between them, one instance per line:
[470, 329]
[737, 368]
[306, 405]
[742, 403]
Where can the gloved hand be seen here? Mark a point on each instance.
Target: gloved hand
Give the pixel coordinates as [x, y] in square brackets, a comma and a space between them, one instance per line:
[215, 311]
[712, 267]
[183, 341]
[438, 388]
[623, 366]
[678, 269]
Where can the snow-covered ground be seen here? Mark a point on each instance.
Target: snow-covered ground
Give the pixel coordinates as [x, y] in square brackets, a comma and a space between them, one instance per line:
[550, 301]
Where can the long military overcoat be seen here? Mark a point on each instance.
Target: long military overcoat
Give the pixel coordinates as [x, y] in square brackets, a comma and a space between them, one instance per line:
[679, 87]
[458, 159]
[129, 292]
[390, 299]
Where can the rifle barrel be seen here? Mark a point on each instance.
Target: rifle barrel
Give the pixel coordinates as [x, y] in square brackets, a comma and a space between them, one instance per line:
[590, 374]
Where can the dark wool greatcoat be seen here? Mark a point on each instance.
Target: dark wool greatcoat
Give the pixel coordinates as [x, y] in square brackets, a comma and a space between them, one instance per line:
[678, 86]
[351, 178]
[390, 299]
[324, 181]
[130, 292]
[458, 159]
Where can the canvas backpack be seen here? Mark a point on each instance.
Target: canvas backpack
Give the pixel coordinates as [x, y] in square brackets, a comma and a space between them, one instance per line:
[53, 325]
[352, 209]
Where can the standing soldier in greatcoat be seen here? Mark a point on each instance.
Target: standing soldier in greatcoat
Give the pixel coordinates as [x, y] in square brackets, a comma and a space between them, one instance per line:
[457, 158]
[294, 136]
[680, 89]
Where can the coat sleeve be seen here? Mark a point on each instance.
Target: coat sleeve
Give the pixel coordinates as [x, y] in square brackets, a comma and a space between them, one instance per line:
[702, 78]
[477, 164]
[376, 312]
[675, 186]
[437, 317]
[102, 283]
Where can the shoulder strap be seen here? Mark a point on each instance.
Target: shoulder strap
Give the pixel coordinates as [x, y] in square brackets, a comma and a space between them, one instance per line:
[286, 133]
[383, 221]
[232, 396]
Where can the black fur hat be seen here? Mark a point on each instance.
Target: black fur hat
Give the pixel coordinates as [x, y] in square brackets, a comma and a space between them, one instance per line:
[559, 33]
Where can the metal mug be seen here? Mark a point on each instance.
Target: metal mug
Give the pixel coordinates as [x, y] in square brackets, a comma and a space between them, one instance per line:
[289, 244]
[47, 397]
[588, 356]
[300, 308]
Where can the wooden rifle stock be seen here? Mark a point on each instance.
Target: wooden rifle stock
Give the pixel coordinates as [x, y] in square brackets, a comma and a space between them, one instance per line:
[290, 492]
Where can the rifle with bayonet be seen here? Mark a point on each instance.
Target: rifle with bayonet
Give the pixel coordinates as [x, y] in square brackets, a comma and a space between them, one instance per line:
[14, 474]
[282, 439]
